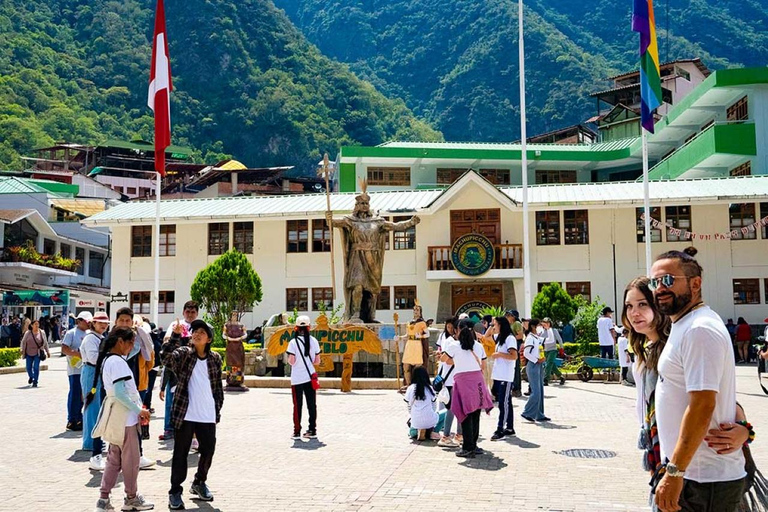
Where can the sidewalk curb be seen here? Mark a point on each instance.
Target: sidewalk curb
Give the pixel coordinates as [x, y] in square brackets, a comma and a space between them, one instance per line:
[19, 369]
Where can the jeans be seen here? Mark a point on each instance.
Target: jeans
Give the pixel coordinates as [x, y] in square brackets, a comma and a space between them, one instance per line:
[206, 437]
[711, 497]
[606, 351]
[33, 368]
[503, 392]
[299, 391]
[551, 366]
[517, 385]
[471, 428]
[449, 416]
[75, 400]
[150, 387]
[534, 408]
[168, 426]
[91, 413]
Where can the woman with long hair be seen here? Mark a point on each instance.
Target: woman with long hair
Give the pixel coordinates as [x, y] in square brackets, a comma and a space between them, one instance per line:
[503, 375]
[534, 408]
[303, 354]
[34, 342]
[648, 333]
[470, 394]
[89, 379]
[421, 398]
[743, 337]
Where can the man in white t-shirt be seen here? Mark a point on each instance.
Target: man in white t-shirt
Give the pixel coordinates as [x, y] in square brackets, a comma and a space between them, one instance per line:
[606, 333]
[696, 392]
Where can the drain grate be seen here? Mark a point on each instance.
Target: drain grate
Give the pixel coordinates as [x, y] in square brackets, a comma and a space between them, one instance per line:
[587, 453]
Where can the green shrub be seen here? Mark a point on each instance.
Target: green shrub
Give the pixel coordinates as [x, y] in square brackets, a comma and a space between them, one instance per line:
[585, 322]
[9, 356]
[554, 302]
[582, 349]
[223, 353]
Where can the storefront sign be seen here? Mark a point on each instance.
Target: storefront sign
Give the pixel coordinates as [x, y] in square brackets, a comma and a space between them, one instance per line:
[333, 340]
[472, 254]
[83, 303]
[36, 298]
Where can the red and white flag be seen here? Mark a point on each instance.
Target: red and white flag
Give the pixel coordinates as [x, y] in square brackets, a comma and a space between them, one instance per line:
[159, 99]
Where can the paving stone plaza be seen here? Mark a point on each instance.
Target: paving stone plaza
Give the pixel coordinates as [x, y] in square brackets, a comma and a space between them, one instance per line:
[362, 460]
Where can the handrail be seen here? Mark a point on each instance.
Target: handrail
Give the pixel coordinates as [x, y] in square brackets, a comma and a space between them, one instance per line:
[507, 256]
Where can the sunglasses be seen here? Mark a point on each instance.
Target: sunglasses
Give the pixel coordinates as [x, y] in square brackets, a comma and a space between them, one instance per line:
[667, 280]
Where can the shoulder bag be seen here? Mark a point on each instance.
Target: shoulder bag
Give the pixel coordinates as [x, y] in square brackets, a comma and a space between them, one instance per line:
[40, 352]
[439, 381]
[313, 377]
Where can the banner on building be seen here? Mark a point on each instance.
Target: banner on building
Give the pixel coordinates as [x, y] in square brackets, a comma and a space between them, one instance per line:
[36, 298]
[689, 235]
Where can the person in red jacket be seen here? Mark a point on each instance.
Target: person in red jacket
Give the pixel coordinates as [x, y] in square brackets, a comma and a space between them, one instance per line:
[743, 337]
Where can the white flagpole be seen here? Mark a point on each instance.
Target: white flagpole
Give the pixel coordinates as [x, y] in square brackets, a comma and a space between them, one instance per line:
[524, 163]
[156, 287]
[646, 203]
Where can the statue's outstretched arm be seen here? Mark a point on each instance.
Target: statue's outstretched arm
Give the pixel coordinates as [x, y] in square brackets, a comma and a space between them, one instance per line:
[401, 226]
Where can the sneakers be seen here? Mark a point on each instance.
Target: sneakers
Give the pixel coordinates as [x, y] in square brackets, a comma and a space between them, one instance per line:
[479, 451]
[528, 418]
[166, 436]
[517, 393]
[137, 503]
[310, 434]
[96, 463]
[562, 380]
[145, 463]
[627, 383]
[499, 434]
[296, 435]
[103, 505]
[544, 418]
[527, 393]
[466, 454]
[70, 425]
[78, 426]
[458, 438]
[29, 381]
[201, 492]
[175, 502]
[509, 432]
[447, 442]
[34, 384]
[195, 446]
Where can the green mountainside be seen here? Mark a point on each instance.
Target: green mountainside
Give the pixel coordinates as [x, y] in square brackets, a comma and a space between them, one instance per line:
[247, 83]
[455, 62]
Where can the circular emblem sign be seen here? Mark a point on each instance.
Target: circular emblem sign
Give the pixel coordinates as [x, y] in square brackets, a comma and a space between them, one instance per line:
[472, 254]
[473, 309]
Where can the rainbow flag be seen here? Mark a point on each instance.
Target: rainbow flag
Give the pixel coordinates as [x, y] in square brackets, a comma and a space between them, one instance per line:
[650, 81]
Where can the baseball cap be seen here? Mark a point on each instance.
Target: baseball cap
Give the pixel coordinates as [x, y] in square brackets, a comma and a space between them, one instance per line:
[303, 321]
[546, 320]
[513, 312]
[101, 316]
[607, 309]
[85, 315]
[197, 324]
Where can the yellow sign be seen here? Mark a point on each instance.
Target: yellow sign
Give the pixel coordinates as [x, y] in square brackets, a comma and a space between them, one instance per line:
[333, 340]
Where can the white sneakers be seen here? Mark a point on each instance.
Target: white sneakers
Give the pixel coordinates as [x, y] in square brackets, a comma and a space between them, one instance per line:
[195, 446]
[96, 463]
[145, 463]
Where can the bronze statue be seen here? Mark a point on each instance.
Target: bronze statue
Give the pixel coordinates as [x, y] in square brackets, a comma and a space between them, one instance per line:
[363, 239]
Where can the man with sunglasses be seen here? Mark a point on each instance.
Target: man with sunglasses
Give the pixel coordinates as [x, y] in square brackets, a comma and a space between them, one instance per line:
[696, 392]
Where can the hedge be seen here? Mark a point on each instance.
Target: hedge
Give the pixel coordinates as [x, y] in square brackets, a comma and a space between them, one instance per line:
[9, 356]
[575, 349]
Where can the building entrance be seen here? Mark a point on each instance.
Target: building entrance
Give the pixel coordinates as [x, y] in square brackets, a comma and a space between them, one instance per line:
[475, 296]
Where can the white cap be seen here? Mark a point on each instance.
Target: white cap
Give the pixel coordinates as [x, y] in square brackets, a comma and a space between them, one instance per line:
[303, 321]
[85, 315]
[462, 316]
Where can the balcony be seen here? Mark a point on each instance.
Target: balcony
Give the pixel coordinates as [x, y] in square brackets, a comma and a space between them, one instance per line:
[507, 263]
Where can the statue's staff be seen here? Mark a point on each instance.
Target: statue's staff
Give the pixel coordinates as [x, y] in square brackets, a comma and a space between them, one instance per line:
[330, 224]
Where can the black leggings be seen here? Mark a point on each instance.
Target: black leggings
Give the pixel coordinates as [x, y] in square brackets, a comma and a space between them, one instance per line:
[300, 391]
[206, 437]
[470, 429]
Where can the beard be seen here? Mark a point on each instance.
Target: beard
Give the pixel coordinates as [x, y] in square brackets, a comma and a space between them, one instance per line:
[679, 302]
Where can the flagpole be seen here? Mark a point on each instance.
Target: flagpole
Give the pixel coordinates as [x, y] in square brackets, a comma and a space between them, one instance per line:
[524, 163]
[156, 287]
[646, 203]
[330, 227]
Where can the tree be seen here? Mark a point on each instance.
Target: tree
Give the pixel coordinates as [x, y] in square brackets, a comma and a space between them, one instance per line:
[226, 285]
[554, 302]
[586, 321]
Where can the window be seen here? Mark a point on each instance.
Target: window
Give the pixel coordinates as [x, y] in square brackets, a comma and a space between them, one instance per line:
[540, 286]
[383, 301]
[739, 111]
[95, 264]
[655, 232]
[321, 236]
[583, 288]
[140, 302]
[764, 214]
[49, 247]
[322, 295]
[405, 239]
[742, 215]
[131, 191]
[296, 298]
[65, 250]
[495, 176]
[746, 291]
[167, 303]
[677, 217]
[218, 238]
[297, 235]
[576, 227]
[19, 233]
[548, 228]
[682, 73]
[118, 189]
[405, 297]
[243, 237]
[141, 241]
[395, 176]
[744, 169]
[80, 256]
[168, 240]
[544, 177]
[449, 175]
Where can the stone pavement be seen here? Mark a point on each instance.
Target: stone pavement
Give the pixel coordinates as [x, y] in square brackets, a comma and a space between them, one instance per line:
[362, 460]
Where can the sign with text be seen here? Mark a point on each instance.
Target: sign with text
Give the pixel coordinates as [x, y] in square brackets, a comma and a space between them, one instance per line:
[36, 298]
[333, 340]
[472, 254]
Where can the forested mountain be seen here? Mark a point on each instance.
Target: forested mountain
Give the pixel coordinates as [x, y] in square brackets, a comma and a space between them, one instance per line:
[455, 62]
[247, 83]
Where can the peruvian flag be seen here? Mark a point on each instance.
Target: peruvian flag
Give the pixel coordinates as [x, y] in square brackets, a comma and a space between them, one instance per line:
[159, 99]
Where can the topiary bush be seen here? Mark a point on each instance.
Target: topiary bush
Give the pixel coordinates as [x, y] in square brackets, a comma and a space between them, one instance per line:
[9, 357]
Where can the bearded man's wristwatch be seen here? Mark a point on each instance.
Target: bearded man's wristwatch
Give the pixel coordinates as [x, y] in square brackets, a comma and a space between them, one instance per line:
[673, 471]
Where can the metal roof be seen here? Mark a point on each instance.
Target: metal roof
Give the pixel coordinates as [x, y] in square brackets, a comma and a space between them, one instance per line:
[14, 185]
[391, 202]
[599, 146]
[13, 216]
[84, 207]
